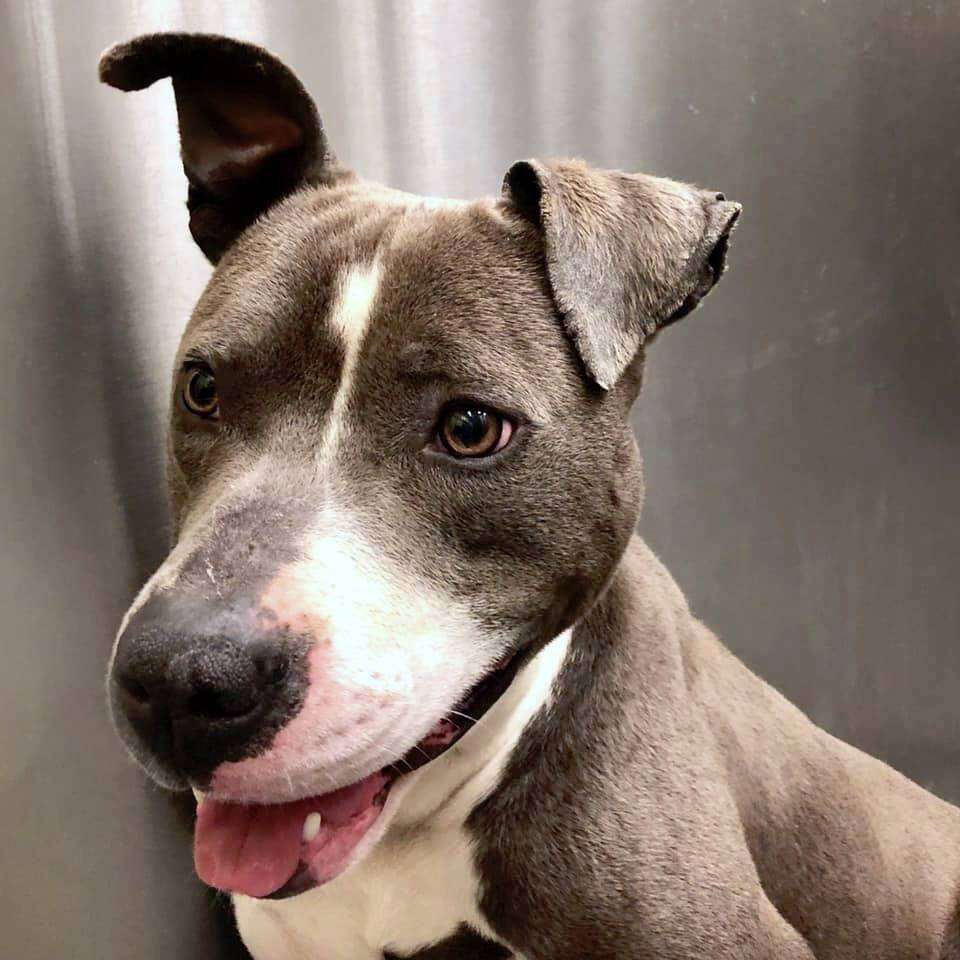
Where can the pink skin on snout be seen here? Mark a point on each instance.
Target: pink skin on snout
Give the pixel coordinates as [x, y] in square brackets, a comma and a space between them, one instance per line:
[359, 714]
[347, 709]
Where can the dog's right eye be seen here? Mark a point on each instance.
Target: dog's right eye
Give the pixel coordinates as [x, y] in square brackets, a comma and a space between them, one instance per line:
[470, 431]
[200, 392]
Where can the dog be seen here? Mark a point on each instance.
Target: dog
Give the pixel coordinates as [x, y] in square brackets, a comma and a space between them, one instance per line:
[435, 696]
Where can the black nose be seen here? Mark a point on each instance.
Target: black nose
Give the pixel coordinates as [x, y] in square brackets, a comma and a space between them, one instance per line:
[188, 700]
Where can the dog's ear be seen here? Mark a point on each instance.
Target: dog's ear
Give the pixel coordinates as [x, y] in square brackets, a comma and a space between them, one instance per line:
[249, 132]
[626, 254]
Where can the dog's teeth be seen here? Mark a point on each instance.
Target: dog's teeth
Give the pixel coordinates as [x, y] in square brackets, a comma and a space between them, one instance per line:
[311, 827]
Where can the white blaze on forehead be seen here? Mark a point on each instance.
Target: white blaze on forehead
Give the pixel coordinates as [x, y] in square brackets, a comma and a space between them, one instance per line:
[349, 320]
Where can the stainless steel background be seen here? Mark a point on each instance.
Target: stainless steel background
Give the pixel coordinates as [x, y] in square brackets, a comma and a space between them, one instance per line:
[801, 431]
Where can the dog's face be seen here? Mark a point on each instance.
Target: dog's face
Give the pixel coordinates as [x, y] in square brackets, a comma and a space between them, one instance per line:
[399, 456]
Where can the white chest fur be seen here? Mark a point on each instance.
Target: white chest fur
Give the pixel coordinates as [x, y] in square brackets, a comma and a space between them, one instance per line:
[401, 898]
[419, 883]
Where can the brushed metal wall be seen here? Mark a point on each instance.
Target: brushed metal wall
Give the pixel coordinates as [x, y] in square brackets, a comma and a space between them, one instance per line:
[801, 432]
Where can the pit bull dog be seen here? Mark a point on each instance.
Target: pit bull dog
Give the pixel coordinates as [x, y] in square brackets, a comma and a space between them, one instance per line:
[436, 697]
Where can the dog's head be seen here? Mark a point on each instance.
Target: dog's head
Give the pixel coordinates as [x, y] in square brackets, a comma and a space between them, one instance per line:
[399, 455]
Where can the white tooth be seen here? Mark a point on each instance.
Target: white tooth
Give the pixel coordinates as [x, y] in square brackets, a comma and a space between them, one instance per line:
[311, 827]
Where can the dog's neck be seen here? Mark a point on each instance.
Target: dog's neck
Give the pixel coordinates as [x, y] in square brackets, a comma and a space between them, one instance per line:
[622, 687]
[619, 666]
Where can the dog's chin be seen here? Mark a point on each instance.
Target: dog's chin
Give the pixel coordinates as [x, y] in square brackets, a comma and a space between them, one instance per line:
[281, 850]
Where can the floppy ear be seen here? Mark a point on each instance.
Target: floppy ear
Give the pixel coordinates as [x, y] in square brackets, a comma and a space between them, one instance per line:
[249, 132]
[626, 254]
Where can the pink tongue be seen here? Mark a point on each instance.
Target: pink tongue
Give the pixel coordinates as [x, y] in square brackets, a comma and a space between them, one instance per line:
[255, 848]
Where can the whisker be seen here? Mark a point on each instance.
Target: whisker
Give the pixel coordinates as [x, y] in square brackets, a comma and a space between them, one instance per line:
[466, 716]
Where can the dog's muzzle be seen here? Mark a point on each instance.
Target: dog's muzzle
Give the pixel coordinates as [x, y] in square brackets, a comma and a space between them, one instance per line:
[196, 684]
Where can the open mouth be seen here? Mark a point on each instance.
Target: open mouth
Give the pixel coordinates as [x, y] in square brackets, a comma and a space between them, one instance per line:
[281, 850]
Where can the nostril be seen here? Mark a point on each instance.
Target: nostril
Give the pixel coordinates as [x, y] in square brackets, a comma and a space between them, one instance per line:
[136, 691]
[221, 703]
[271, 666]
[133, 689]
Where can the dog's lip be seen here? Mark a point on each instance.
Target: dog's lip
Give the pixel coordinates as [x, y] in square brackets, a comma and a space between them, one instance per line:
[445, 733]
[461, 718]
[458, 721]
[302, 880]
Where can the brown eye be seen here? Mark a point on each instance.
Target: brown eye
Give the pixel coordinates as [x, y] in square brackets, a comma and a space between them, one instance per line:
[200, 392]
[473, 431]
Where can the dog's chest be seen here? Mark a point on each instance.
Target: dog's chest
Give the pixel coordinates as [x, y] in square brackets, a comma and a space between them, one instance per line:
[410, 898]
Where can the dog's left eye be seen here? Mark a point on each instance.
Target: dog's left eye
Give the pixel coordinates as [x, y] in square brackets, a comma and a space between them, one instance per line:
[200, 392]
[470, 430]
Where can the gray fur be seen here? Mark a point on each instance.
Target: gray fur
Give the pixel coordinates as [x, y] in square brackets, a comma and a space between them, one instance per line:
[669, 804]
[626, 253]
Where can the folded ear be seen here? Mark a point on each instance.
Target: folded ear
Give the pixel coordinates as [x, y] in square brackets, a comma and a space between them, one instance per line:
[249, 132]
[626, 254]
